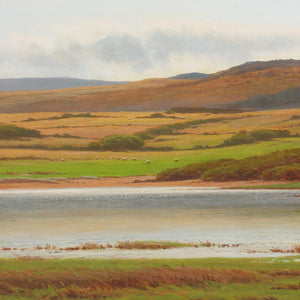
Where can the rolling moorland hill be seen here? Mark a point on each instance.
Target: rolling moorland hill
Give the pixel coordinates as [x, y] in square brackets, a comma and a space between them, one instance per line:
[220, 89]
[193, 75]
[51, 83]
[289, 98]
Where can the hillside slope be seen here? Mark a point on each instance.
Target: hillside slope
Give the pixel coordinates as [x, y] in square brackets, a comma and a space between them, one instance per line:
[289, 98]
[223, 88]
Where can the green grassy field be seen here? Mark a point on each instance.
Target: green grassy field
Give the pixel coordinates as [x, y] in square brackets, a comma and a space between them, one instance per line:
[211, 278]
[104, 166]
[49, 156]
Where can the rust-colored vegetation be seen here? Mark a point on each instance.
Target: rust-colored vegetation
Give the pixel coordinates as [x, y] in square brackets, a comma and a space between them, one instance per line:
[102, 283]
[280, 165]
[130, 245]
[295, 249]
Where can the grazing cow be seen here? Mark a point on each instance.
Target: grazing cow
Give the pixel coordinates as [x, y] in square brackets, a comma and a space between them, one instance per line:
[134, 158]
[62, 159]
[148, 161]
[176, 159]
[124, 158]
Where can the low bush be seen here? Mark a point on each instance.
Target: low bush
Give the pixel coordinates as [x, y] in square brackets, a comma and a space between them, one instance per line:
[169, 129]
[255, 135]
[289, 172]
[121, 142]
[280, 165]
[15, 132]
[93, 146]
[69, 147]
[69, 115]
[191, 110]
[158, 149]
[295, 117]
[239, 139]
[66, 135]
[161, 130]
[157, 115]
[267, 134]
[198, 147]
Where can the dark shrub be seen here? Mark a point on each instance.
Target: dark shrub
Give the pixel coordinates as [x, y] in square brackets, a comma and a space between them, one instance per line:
[161, 130]
[190, 110]
[144, 135]
[152, 132]
[15, 132]
[193, 171]
[295, 117]
[239, 139]
[267, 134]
[157, 115]
[158, 149]
[121, 142]
[68, 147]
[69, 115]
[289, 172]
[281, 165]
[94, 146]
[197, 147]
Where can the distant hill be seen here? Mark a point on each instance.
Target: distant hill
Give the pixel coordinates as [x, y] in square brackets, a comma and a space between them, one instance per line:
[223, 89]
[254, 66]
[194, 75]
[289, 98]
[54, 83]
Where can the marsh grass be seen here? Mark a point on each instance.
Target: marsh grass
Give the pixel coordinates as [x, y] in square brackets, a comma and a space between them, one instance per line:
[213, 278]
[130, 245]
[295, 249]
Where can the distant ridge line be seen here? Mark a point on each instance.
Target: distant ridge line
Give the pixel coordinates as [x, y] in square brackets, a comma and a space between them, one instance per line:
[50, 83]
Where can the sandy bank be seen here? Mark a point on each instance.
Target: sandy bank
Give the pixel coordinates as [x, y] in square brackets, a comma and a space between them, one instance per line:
[132, 181]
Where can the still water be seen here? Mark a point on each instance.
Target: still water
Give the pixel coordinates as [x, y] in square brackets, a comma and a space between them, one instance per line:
[258, 219]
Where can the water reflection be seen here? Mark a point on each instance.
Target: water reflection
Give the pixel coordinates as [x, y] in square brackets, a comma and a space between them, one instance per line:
[222, 216]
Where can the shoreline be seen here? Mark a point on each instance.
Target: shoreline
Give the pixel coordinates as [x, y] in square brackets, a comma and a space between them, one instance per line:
[132, 254]
[130, 181]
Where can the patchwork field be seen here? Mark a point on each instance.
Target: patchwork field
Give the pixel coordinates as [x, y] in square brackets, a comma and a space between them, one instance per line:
[65, 150]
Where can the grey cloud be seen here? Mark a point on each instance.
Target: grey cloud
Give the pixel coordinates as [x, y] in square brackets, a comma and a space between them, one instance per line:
[122, 50]
[159, 46]
[140, 55]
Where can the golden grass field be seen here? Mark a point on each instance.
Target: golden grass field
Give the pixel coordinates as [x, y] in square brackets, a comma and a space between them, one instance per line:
[103, 124]
[21, 157]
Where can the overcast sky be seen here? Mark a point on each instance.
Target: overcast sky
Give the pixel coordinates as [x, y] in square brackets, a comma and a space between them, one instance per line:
[136, 39]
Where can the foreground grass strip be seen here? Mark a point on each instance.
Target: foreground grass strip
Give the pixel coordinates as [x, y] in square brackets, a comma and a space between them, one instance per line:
[212, 278]
[97, 283]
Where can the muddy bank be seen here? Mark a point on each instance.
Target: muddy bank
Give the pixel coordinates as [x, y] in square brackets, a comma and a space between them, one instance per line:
[132, 181]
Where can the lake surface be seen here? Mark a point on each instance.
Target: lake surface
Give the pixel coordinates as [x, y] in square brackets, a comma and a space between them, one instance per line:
[259, 219]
